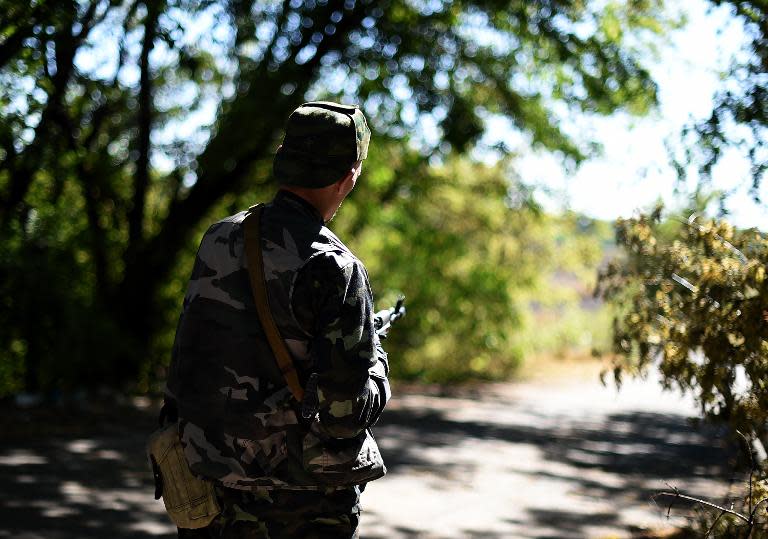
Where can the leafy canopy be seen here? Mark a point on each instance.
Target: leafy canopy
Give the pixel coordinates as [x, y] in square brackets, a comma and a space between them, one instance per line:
[125, 124]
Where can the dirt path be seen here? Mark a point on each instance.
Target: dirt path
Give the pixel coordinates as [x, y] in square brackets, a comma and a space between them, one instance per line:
[531, 460]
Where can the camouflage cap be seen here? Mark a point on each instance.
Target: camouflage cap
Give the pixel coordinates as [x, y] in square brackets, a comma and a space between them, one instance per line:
[322, 140]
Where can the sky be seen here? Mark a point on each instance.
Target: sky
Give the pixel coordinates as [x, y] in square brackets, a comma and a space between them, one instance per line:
[634, 171]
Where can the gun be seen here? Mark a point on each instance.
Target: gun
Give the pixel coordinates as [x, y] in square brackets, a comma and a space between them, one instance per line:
[383, 320]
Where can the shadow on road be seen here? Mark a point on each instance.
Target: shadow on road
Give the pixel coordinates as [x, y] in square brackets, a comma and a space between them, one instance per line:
[66, 475]
[630, 444]
[616, 459]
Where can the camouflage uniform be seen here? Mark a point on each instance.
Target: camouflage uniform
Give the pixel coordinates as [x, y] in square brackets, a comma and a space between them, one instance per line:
[279, 474]
[279, 514]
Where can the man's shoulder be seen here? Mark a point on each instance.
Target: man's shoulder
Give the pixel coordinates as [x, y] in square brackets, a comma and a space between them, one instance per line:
[229, 221]
[330, 263]
[336, 273]
[224, 228]
[327, 242]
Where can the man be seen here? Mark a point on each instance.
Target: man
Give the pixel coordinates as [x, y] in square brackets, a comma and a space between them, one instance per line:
[284, 468]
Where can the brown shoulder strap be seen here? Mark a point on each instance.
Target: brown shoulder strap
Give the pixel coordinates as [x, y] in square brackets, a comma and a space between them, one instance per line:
[259, 287]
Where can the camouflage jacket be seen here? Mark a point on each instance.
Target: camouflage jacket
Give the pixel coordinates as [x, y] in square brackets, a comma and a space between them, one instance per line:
[239, 423]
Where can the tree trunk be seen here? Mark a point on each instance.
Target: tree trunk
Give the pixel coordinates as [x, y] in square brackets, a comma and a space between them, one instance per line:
[247, 133]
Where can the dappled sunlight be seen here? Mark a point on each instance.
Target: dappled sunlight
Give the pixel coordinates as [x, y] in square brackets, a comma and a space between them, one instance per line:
[21, 458]
[562, 459]
[66, 485]
[539, 462]
[504, 138]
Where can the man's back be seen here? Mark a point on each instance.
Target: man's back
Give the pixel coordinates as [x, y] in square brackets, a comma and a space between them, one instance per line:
[281, 467]
[239, 422]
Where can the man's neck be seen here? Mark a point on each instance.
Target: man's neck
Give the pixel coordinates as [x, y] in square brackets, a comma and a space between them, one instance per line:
[317, 198]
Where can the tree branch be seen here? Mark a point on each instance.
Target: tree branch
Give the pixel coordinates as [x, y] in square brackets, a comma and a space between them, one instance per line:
[220, 169]
[53, 119]
[91, 20]
[703, 502]
[145, 114]
[712, 527]
[100, 114]
[748, 449]
[88, 21]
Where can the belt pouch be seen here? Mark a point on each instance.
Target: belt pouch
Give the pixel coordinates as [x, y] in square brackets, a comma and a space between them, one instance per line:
[190, 501]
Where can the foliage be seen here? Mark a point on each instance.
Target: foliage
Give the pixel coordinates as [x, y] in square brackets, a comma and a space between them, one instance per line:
[470, 250]
[111, 155]
[695, 304]
[47, 292]
[450, 241]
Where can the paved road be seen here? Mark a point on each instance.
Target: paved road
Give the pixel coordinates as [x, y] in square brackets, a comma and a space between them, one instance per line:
[537, 461]
[531, 460]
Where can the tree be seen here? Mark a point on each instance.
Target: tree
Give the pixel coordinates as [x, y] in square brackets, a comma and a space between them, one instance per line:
[694, 300]
[101, 178]
[450, 238]
[693, 304]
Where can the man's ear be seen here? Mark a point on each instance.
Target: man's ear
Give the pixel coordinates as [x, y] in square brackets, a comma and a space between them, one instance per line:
[342, 183]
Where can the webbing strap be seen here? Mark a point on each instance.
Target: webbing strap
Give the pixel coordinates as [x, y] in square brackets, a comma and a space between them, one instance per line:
[259, 286]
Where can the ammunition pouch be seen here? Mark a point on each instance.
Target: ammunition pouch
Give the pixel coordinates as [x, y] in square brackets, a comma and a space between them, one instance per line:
[190, 501]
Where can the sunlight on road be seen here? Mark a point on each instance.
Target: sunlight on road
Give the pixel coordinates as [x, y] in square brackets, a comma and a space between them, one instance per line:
[569, 459]
[535, 461]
